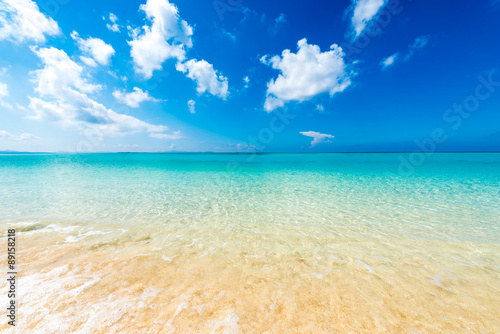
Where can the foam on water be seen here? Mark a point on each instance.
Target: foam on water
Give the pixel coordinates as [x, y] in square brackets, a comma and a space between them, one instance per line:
[286, 243]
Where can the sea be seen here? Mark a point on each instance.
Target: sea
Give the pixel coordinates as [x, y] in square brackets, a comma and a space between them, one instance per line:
[253, 243]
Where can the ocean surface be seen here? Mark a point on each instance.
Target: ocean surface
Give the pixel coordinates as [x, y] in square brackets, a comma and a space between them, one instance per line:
[271, 243]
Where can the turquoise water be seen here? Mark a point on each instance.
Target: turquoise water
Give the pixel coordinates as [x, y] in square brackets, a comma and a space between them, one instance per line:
[319, 242]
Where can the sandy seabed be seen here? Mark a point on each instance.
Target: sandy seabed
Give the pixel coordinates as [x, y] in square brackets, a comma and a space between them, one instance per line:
[77, 278]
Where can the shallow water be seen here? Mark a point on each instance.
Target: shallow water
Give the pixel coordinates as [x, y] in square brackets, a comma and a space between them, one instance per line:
[333, 243]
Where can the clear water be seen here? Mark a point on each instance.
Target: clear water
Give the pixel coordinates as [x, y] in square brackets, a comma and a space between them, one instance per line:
[333, 243]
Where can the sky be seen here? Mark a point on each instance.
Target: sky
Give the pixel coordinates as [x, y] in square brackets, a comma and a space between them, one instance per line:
[249, 76]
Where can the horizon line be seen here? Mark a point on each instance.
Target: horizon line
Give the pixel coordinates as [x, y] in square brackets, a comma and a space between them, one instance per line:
[8, 152]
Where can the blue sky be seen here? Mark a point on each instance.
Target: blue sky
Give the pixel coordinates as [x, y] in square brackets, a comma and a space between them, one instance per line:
[243, 76]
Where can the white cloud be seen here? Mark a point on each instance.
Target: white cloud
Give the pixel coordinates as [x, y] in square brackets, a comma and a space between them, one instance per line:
[206, 78]
[229, 35]
[244, 147]
[134, 98]
[28, 137]
[21, 20]
[133, 32]
[191, 106]
[166, 38]
[320, 108]
[318, 137]
[88, 61]
[24, 137]
[363, 11]
[176, 135]
[247, 81]
[278, 22]
[389, 61]
[4, 92]
[95, 47]
[4, 70]
[59, 74]
[63, 89]
[113, 26]
[305, 74]
[419, 43]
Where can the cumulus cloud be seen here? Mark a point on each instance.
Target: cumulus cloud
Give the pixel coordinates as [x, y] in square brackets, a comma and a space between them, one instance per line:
[320, 108]
[95, 47]
[21, 20]
[419, 43]
[134, 98]
[4, 92]
[305, 74]
[246, 80]
[59, 74]
[63, 92]
[23, 137]
[191, 106]
[206, 78]
[174, 136]
[318, 138]
[166, 37]
[113, 26]
[363, 11]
